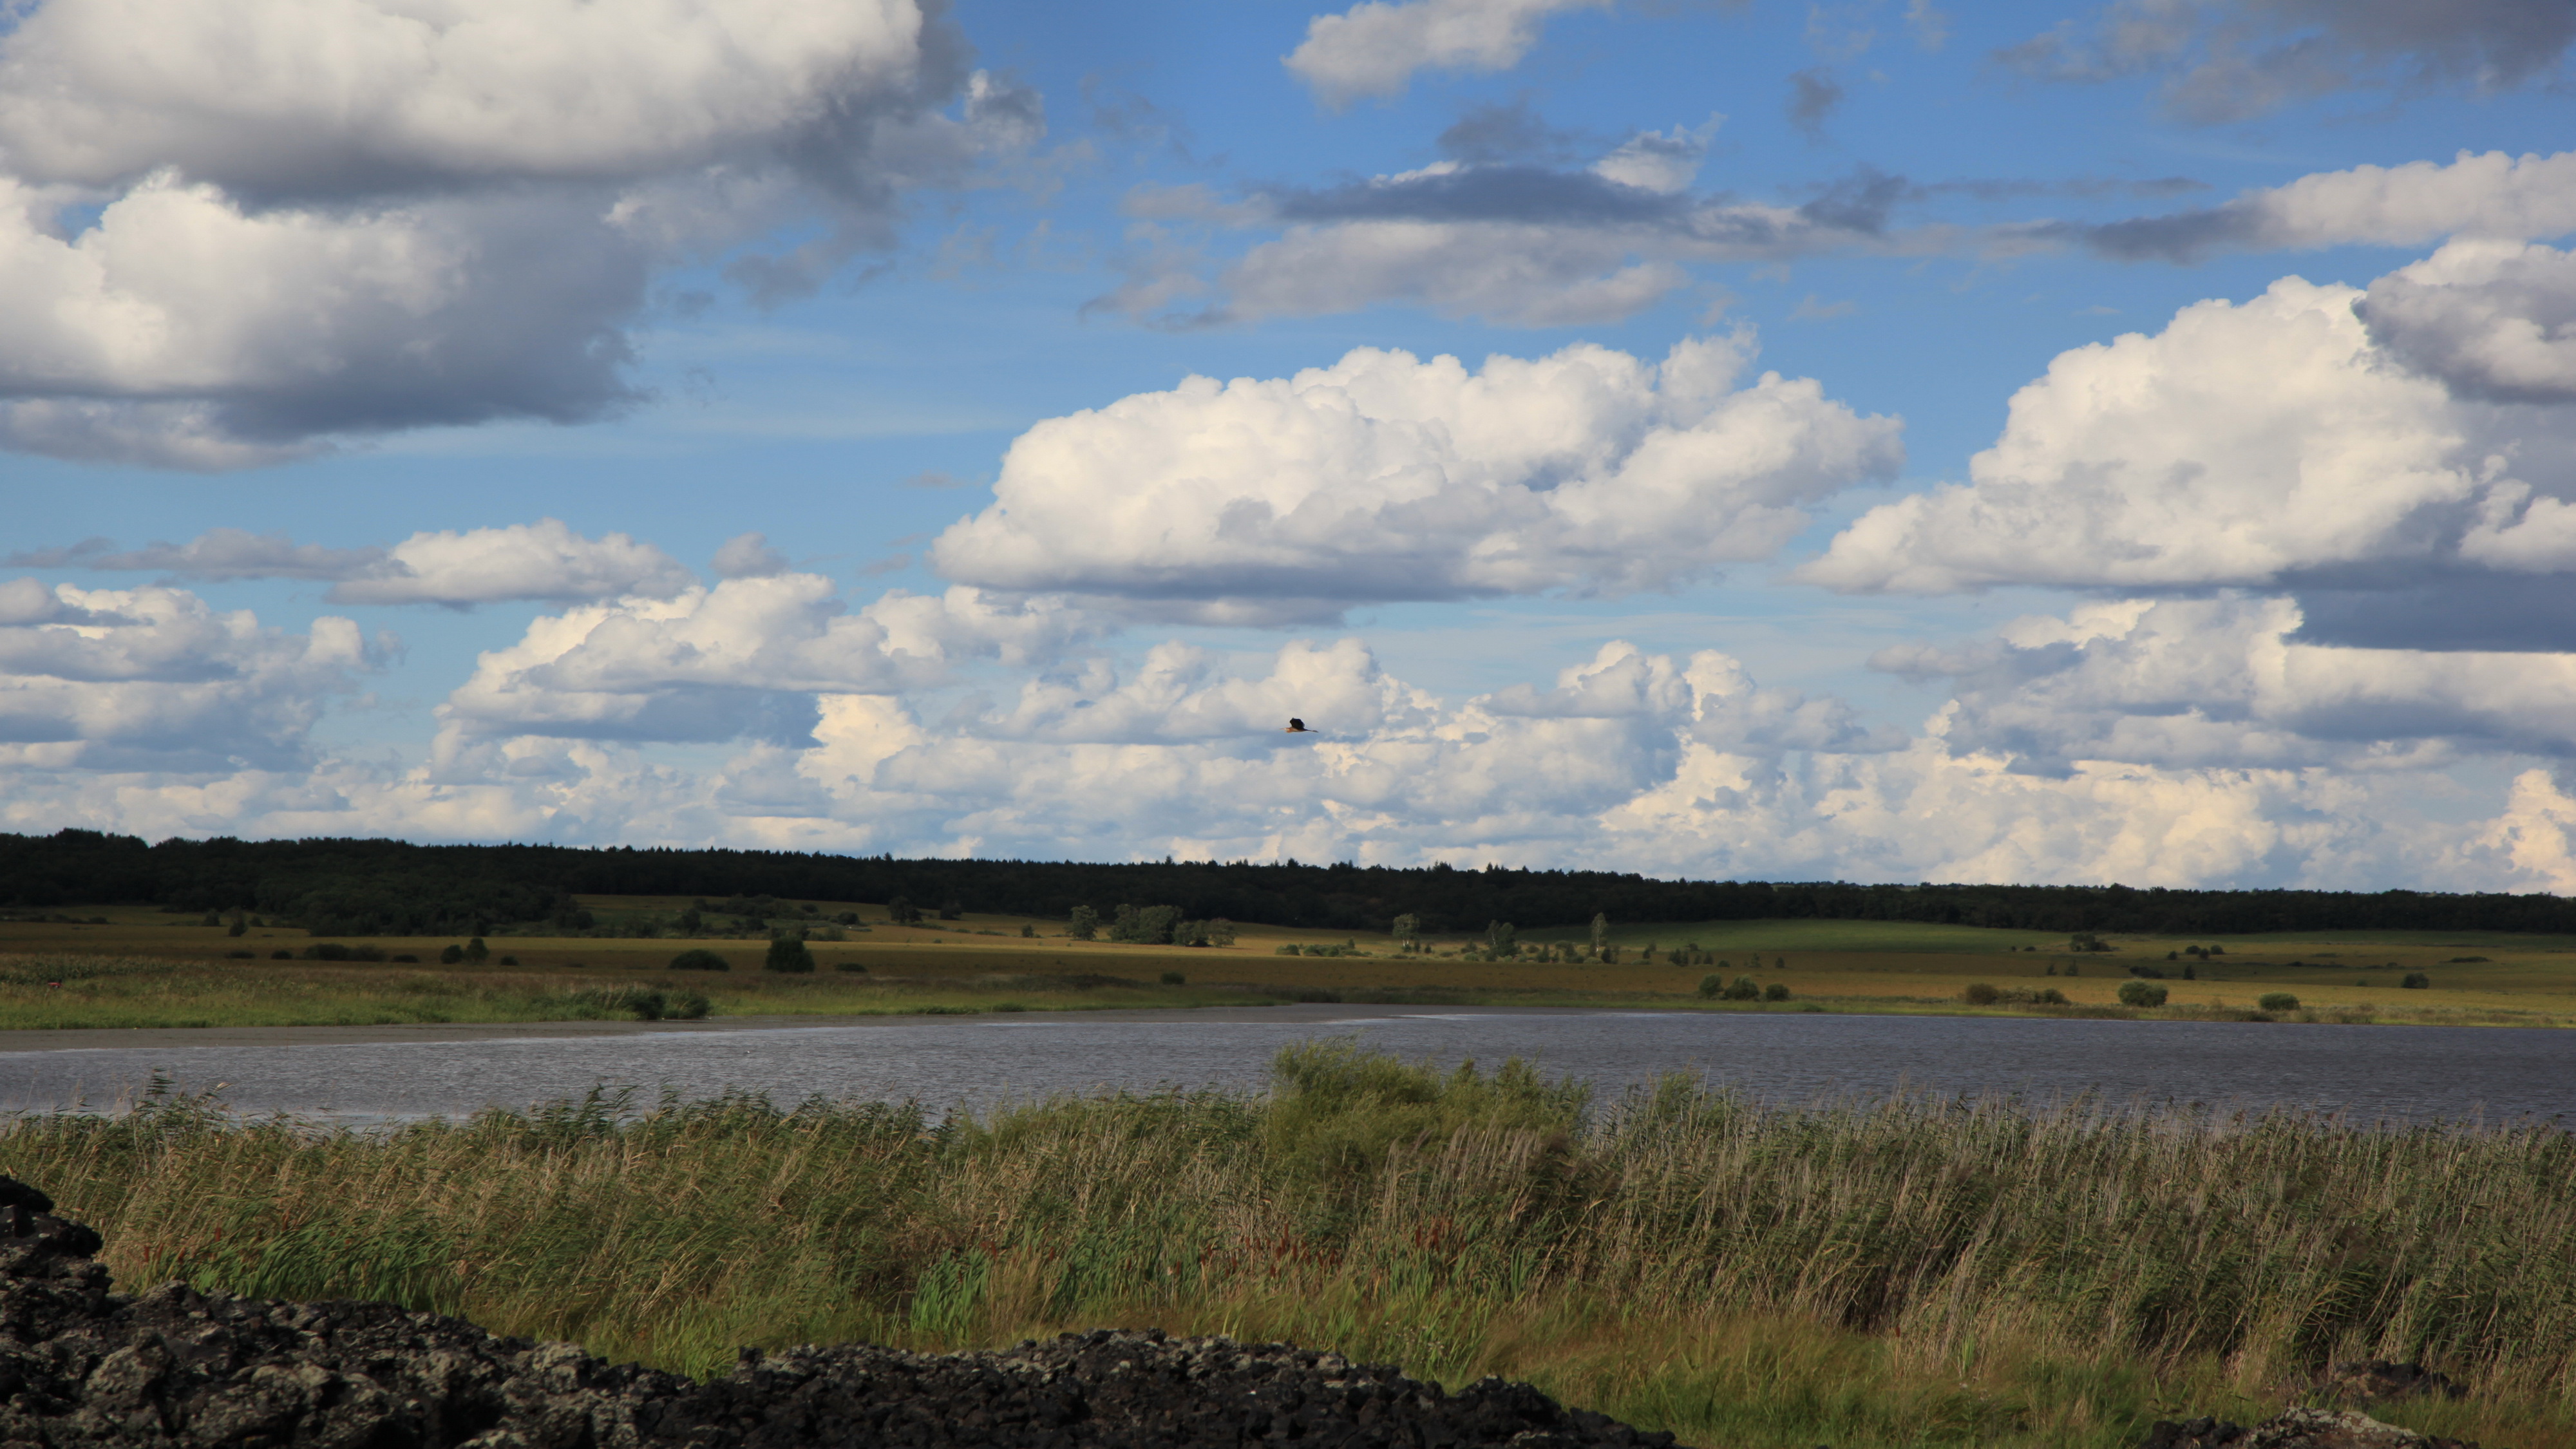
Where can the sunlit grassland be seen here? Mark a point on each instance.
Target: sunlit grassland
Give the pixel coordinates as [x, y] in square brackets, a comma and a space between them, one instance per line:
[1890, 1273]
[176, 971]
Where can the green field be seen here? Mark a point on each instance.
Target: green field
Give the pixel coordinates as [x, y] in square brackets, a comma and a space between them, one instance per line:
[1904, 1274]
[135, 966]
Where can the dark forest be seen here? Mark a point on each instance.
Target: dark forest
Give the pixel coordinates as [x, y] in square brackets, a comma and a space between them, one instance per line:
[391, 887]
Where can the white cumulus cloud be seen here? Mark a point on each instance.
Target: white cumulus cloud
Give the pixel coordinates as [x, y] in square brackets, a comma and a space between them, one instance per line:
[746, 657]
[1389, 477]
[541, 560]
[2245, 444]
[2488, 194]
[545, 560]
[1374, 48]
[2490, 319]
[232, 231]
[152, 678]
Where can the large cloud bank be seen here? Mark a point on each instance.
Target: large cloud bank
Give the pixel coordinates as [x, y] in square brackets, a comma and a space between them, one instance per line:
[2146, 742]
[229, 230]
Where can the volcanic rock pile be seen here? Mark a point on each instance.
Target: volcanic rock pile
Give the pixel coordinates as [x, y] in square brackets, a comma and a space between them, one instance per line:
[2297, 1428]
[83, 1366]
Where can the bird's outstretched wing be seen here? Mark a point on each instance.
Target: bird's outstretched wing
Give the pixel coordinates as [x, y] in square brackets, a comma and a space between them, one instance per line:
[1298, 727]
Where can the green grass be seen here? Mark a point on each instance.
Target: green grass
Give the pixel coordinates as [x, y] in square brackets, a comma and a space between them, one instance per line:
[73, 992]
[1782, 936]
[1924, 1272]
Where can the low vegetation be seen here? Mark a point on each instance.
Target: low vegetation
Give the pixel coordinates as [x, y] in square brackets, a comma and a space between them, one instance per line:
[141, 966]
[1894, 1273]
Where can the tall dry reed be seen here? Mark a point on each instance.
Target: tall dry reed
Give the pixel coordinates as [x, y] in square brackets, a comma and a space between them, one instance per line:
[1871, 1272]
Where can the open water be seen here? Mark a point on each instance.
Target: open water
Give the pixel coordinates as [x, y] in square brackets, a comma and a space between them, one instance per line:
[947, 1063]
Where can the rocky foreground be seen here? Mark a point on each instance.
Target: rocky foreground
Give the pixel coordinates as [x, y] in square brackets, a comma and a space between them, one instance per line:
[81, 1365]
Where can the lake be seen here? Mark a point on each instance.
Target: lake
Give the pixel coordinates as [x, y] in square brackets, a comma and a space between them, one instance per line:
[379, 1075]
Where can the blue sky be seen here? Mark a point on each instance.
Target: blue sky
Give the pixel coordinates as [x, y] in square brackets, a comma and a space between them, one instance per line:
[1871, 440]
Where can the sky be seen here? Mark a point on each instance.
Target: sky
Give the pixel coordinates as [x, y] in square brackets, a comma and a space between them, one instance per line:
[1883, 440]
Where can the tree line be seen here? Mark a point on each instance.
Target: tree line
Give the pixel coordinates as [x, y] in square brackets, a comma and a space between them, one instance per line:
[396, 887]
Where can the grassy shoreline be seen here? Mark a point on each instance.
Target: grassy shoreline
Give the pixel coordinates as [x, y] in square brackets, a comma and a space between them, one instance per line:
[70, 992]
[1889, 1273]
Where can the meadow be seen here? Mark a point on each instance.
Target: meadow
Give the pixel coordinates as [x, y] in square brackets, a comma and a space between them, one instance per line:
[136, 966]
[1870, 1274]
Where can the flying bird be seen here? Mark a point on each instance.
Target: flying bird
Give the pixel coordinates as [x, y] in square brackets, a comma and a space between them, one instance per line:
[1297, 727]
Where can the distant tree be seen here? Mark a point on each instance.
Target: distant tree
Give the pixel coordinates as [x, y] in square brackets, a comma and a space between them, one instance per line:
[1775, 992]
[903, 912]
[1408, 932]
[788, 953]
[690, 920]
[2141, 993]
[1501, 938]
[1145, 925]
[476, 952]
[452, 955]
[1086, 923]
[1600, 930]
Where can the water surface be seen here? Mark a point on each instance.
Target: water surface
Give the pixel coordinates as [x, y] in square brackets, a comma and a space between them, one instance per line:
[949, 1062]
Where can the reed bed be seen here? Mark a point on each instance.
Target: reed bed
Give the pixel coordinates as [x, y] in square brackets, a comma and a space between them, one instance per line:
[1881, 1272]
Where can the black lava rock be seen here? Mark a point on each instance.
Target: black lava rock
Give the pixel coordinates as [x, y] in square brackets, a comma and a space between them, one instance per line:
[83, 1366]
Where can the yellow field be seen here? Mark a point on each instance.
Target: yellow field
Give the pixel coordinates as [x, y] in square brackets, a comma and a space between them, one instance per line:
[985, 962]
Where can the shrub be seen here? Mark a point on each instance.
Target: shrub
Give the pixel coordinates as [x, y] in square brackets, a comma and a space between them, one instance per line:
[451, 955]
[477, 952]
[788, 954]
[2150, 973]
[1174, 978]
[1710, 986]
[281, 955]
[509, 960]
[1978, 993]
[2141, 993]
[1027, 931]
[645, 1003]
[1291, 949]
[237, 955]
[1775, 992]
[407, 959]
[337, 951]
[700, 959]
[1743, 989]
[851, 966]
[2277, 1001]
[2416, 981]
